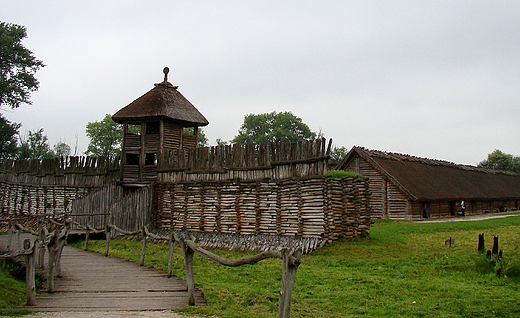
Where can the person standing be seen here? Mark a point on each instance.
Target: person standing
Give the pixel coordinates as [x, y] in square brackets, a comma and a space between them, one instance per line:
[463, 208]
[425, 211]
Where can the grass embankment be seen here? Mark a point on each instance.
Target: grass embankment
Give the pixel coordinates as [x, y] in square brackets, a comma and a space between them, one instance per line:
[403, 269]
[12, 291]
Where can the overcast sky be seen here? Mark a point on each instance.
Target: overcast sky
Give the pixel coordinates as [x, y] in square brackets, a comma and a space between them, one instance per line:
[436, 79]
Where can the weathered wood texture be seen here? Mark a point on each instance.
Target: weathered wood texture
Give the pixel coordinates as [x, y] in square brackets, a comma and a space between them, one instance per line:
[129, 212]
[323, 208]
[47, 187]
[93, 282]
[244, 161]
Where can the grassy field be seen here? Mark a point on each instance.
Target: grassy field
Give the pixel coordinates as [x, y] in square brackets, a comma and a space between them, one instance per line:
[403, 270]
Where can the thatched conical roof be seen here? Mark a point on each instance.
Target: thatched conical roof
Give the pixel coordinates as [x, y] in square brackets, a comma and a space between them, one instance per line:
[163, 101]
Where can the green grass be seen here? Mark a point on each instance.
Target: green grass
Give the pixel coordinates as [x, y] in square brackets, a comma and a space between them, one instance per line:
[12, 291]
[403, 270]
[343, 173]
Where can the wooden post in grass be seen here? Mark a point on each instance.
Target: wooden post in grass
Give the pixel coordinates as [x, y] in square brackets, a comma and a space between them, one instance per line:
[188, 265]
[30, 270]
[481, 246]
[495, 245]
[290, 263]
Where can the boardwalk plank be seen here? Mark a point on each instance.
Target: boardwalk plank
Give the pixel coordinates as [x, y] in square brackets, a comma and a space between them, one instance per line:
[93, 282]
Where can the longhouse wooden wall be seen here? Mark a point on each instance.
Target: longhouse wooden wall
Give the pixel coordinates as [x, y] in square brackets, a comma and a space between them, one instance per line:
[377, 184]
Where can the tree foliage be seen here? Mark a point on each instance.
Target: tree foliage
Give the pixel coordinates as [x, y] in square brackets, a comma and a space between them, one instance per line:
[338, 153]
[61, 149]
[35, 146]
[17, 67]
[8, 138]
[106, 137]
[498, 160]
[273, 127]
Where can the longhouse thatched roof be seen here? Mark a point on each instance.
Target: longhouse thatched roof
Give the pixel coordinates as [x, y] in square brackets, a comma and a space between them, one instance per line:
[430, 179]
[163, 101]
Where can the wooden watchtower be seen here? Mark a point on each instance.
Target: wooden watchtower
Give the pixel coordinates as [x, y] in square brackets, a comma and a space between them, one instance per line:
[162, 119]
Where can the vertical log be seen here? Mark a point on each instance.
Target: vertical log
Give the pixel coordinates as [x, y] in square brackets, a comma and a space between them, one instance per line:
[481, 246]
[107, 237]
[495, 245]
[29, 273]
[40, 244]
[290, 263]
[52, 248]
[188, 265]
[170, 254]
[143, 250]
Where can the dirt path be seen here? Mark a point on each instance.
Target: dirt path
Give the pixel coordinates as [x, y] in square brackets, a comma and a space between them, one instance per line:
[478, 217]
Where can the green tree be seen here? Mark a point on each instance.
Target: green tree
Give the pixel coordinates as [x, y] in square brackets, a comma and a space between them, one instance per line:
[338, 153]
[106, 137]
[273, 127]
[498, 160]
[202, 140]
[8, 138]
[61, 149]
[17, 67]
[35, 146]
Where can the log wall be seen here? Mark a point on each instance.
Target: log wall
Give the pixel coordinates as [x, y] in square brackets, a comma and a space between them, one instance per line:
[48, 187]
[320, 207]
[244, 161]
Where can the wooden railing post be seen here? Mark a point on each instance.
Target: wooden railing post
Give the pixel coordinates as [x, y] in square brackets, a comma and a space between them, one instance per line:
[87, 235]
[107, 237]
[188, 265]
[62, 241]
[30, 271]
[52, 247]
[290, 263]
[170, 254]
[41, 245]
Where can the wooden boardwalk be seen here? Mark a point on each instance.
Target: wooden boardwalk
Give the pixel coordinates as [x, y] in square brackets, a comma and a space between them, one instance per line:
[93, 282]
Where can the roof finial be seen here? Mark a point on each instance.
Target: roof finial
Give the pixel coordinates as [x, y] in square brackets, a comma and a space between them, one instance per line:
[166, 70]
